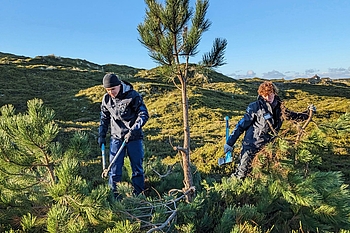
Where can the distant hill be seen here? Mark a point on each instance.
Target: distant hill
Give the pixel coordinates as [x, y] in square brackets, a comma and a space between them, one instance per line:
[52, 62]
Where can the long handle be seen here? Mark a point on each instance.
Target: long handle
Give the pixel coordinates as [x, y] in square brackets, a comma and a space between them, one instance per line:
[227, 127]
[105, 171]
[103, 156]
[228, 157]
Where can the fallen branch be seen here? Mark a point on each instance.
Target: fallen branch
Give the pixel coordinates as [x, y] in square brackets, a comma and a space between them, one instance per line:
[144, 214]
[171, 217]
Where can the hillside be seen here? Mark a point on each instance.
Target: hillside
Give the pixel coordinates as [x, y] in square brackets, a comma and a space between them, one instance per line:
[50, 164]
[71, 87]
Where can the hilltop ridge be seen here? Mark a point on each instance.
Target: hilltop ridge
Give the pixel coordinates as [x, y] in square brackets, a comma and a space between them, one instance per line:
[51, 62]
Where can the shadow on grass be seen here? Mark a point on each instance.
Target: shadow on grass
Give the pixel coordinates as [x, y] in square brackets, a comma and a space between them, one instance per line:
[332, 90]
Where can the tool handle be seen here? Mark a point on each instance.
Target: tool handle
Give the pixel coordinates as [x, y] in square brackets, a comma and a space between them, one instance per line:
[229, 153]
[103, 156]
[227, 127]
[105, 171]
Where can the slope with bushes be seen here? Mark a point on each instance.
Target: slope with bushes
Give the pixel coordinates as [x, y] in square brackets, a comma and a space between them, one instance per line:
[293, 186]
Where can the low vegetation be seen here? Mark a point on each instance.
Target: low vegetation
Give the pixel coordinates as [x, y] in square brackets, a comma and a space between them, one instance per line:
[51, 168]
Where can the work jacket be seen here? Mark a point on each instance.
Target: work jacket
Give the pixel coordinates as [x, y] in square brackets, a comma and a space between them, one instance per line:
[123, 113]
[261, 123]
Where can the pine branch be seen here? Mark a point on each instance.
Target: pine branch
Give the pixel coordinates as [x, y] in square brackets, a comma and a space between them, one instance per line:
[146, 213]
[170, 168]
[302, 129]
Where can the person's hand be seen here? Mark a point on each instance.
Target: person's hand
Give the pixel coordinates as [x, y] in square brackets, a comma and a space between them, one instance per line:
[128, 135]
[227, 148]
[312, 108]
[101, 141]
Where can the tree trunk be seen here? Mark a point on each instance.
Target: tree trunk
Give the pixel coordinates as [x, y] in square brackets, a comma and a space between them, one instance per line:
[188, 180]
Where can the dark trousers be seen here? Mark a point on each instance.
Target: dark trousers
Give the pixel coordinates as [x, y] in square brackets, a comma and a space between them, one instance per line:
[135, 154]
[245, 164]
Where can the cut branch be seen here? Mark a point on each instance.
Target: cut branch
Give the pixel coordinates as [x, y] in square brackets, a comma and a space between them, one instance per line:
[167, 222]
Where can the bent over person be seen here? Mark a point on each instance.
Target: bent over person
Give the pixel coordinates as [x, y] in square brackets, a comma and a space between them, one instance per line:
[123, 109]
[261, 123]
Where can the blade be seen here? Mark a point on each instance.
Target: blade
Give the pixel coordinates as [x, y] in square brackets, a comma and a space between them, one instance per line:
[221, 161]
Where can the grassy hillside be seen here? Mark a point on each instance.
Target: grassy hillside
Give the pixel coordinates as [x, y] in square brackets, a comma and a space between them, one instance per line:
[72, 88]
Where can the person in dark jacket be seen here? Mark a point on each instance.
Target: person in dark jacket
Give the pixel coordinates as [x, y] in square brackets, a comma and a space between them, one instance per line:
[261, 123]
[123, 109]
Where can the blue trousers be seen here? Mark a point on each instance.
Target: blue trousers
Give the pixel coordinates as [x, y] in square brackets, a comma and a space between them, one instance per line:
[135, 154]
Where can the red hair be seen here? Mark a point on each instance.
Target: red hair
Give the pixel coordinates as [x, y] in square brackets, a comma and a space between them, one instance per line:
[267, 88]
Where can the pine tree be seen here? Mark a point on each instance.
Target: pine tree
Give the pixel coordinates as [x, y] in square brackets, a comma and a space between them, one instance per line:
[172, 32]
[40, 183]
[27, 158]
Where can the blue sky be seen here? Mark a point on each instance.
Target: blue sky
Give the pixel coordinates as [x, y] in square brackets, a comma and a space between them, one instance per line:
[268, 39]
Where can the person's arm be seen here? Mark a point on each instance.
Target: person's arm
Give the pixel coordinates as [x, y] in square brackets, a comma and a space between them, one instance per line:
[242, 125]
[142, 113]
[299, 116]
[105, 118]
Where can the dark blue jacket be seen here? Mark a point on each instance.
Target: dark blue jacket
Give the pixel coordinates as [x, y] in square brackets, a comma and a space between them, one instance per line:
[125, 112]
[255, 124]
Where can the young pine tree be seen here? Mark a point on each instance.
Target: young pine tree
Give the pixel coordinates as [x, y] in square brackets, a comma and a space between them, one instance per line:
[27, 159]
[171, 33]
[41, 185]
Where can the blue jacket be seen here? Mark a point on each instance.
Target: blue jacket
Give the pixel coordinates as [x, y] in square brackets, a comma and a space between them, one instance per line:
[125, 112]
[255, 123]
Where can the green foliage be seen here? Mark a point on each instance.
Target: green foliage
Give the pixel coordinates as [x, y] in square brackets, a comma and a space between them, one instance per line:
[293, 187]
[38, 177]
[28, 222]
[278, 201]
[162, 177]
[186, 228]
[75, 197]
[59, 219]
[124, 226]
[26, 157]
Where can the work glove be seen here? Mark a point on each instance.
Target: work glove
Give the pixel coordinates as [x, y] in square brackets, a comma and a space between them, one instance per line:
[101, 141]
[128, 136]
[227, 148]
[311, 107]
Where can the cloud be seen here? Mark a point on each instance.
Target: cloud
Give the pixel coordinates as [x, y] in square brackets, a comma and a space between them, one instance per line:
[251, 73]
[236, 75]
[311, 71]
[336, 73]
[273, 75]
[333, 73]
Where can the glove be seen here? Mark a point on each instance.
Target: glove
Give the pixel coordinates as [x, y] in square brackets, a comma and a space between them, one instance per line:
[227, 148]
[128, 136]
[101, 141]
[311, 107]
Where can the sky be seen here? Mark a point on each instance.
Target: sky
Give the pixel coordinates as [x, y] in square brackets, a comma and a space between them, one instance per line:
[267, 39]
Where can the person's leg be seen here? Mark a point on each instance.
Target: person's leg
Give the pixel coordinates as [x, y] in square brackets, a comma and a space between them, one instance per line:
[115, 174]
[136, 154]
[245, 164]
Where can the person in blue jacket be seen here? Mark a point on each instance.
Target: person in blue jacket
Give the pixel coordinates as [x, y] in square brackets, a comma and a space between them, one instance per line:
[261, 123]
[123, 110]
